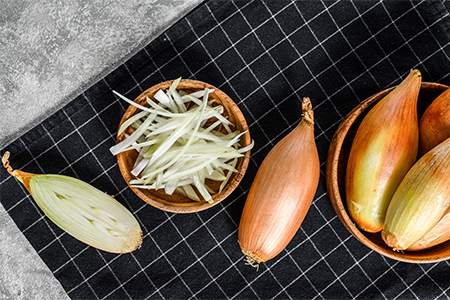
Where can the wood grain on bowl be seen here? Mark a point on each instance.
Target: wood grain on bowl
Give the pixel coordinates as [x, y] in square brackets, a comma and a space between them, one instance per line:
[336, 168]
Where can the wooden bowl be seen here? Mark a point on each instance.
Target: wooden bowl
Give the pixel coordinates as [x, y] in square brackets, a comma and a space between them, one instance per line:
[335, 177]
[177, 203]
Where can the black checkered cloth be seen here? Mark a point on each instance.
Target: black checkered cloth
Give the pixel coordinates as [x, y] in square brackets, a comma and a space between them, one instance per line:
[266, 55]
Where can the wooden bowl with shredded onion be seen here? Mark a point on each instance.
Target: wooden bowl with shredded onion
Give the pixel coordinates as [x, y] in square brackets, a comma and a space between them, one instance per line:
[335, 177]
[176, 202]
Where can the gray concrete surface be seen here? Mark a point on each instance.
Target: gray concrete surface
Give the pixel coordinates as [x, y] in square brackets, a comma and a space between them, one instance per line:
[50, 51]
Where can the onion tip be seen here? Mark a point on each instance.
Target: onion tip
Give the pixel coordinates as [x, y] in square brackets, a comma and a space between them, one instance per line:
[307, 111]
[251, 258]
[23, 177]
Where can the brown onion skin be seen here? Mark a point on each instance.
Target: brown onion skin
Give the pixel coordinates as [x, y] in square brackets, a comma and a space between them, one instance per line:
[281, 194]
[434, 126]
[384, 148]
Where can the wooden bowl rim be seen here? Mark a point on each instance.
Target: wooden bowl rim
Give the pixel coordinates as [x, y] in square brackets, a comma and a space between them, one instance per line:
[194, 206]
[333, 186]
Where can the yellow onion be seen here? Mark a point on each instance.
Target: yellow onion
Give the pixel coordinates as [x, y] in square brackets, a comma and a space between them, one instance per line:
[281, 193]
[421, 200]
[434, 125]
[384, 148]
[437, 235]
[81, 210]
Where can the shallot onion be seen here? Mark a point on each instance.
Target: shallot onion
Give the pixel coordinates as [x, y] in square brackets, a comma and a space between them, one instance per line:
[81, 210]
[434, 125]
[384, 148]
[281, 193]
[421, 200]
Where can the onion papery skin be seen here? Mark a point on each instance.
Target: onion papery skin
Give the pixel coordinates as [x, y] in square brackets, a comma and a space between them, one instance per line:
[384, 148]
[281, 193]
[421, 200]
[434, 125]
[437, 235]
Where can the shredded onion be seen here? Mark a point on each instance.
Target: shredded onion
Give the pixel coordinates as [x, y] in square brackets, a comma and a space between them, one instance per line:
[176, 152]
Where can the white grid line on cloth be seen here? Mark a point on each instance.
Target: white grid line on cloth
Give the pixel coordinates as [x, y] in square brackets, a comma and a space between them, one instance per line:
[204, 223]
[197, 259]
[425, 273]
[376, 40]
[122, 284]
[186, 269]
[447, 289]
[134, 79]
[266, 52]
[287, 36]
[227, 79]
[386, 55]
[233, 264]
[250, 63]
[314, 77]
[214, 62]
[320, 44]
[102, 268]
[158, 68]
[406, 42]
[354, 51]
[253, 30]
[373, 282]
[351, 48]
[392, 269]
[337, 278]
[395, 80]
[303, 273]
[342, 242]
[447, 15]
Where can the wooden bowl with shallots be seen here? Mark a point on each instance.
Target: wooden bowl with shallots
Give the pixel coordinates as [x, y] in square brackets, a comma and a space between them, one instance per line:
[335, 177]
[178, 203]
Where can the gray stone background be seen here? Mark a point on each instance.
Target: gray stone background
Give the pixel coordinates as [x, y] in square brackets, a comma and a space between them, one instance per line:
[51, 51]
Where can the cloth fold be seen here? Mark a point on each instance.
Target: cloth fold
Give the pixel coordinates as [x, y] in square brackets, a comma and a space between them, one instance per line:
[266, 55]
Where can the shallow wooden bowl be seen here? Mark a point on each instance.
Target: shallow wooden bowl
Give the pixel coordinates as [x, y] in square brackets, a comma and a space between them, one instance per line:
[177, 203]
[335, 177]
